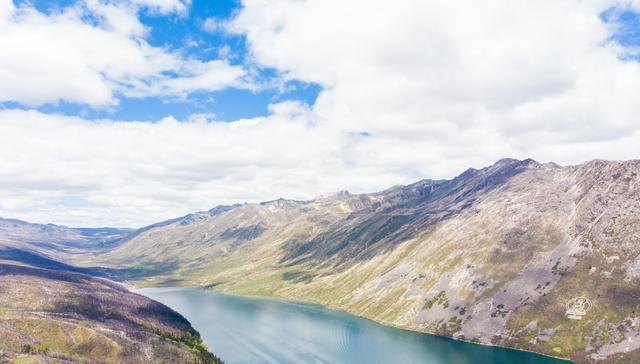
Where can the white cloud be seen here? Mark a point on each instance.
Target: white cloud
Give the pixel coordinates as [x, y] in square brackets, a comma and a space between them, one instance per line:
[213, 25]
[196, 76]
[133, 173]
[6, 10]
[412, 89]
[65, 56]
[464, 80]
[164, 6]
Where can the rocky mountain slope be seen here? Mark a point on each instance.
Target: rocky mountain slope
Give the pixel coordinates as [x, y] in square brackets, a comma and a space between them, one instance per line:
[57, 316]
[533, 256]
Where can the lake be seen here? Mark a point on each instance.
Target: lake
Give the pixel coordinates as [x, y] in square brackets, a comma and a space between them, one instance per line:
[250, 330]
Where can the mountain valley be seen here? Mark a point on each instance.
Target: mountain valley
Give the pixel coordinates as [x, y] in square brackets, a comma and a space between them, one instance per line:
[532, 256]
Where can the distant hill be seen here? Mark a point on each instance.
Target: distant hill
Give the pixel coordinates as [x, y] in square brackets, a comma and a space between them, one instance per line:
[58, 239]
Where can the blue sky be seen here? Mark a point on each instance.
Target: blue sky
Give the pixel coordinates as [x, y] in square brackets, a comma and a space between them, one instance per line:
[627, 32]
[186, 35]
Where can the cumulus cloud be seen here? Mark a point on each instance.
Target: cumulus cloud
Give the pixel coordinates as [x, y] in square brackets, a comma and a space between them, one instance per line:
[134, 173]
[94, 51]
[429, 79]
[411, 89]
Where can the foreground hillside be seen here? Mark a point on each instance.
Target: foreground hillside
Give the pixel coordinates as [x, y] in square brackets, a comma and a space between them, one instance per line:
[527, 255]
[57, 316]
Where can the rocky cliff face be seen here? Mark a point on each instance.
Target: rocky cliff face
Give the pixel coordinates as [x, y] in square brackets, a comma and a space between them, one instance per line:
[527, 255]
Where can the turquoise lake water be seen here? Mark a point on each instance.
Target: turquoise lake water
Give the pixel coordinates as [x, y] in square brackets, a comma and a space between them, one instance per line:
[248, 330]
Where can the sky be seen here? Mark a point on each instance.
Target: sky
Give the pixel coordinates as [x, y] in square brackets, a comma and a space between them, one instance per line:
[128, 112]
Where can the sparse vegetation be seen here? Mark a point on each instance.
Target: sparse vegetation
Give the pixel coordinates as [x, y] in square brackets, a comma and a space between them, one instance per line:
[193, 341]
[439, 299]
[72, 317]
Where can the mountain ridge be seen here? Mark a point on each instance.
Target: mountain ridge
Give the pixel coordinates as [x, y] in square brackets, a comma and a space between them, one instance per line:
[494, 255]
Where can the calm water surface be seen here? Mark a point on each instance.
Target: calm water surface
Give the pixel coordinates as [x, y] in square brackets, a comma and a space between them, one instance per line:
[247, 330]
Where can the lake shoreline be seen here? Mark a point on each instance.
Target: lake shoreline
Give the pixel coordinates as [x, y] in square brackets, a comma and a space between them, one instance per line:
[282, 300]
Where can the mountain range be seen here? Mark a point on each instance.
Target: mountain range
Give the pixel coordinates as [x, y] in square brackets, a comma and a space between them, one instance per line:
[521, 254]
